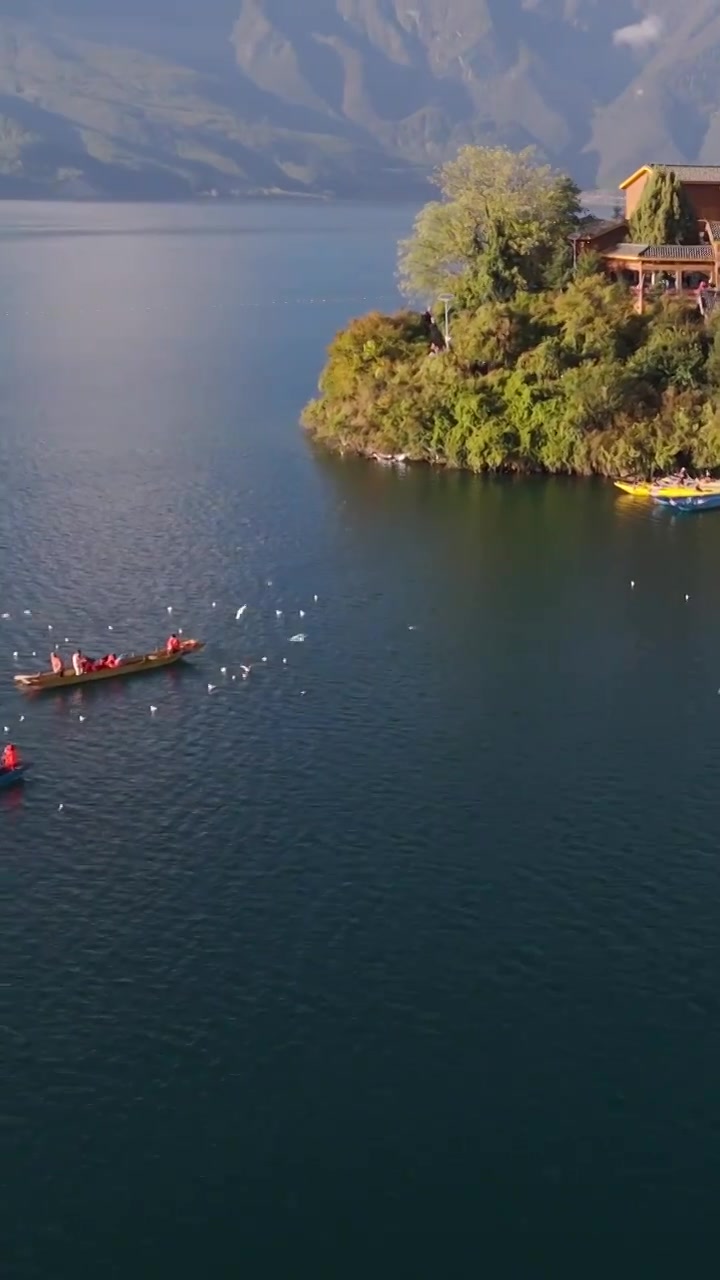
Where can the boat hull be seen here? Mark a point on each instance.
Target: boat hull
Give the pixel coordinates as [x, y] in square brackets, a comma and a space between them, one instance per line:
[690, 503]
[13, 777]
[664, 490]
[145, 662]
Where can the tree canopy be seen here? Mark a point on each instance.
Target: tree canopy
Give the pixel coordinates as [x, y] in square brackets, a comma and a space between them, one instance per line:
[664, 214]
[547, 370]
[502, 218]
[567, 381]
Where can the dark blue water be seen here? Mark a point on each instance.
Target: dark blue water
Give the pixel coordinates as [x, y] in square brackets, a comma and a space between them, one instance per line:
[406, 945]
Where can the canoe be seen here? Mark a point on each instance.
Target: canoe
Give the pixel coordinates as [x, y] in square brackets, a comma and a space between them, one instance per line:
[11, 777]
[664, 490]
[690, 502]
[642, 490]
[131, 666]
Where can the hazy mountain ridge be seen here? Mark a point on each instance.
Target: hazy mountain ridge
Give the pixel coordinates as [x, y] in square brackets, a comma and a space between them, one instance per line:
[166, 97]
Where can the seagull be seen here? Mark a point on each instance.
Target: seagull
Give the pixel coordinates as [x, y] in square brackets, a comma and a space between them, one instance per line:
[34, 654]
[109, 628]
[240, 611]
[21, 719]
[6, 615]
[264, 659]
[67, 640]
[15, 653]
[81, 719]
[179, 631]
[214, 604]
[632, 584]
[245, 671]
[301, 613]
[269, 582]
[27, 613]
[169, 608]
[278, 613]
[235, 677]
[49, 626]
[687, 597]
[412, 628]
[6, 728]
[284, 661]
[210, 688]
[315, 599]
[223, 671]
[298, 639]
[152, 710]
[60, 808]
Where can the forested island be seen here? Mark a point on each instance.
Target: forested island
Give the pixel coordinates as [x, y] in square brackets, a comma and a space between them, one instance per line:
[550, 366]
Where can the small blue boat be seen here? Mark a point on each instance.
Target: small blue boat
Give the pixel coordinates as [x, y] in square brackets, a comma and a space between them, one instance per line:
[692, 502]
[11, 777]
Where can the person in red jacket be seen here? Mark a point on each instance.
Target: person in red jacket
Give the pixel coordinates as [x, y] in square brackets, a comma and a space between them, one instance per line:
[173, 644]
[10, 758]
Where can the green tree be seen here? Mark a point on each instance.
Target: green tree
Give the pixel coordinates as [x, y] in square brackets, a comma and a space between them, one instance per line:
[488, 194]
[664, 214]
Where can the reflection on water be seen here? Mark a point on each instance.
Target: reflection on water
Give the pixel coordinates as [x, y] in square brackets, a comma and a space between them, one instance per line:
[398, 929]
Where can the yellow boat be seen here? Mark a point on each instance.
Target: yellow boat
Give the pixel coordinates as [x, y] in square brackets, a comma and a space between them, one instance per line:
[636, 490]
[130, 666]
[666, 489]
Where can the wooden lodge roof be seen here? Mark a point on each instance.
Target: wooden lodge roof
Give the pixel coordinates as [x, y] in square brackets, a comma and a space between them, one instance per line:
[662, 252]
[702, 173]
[596, 227]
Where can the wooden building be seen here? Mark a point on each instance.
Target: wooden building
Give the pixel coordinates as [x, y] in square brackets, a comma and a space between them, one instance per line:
[676, 266]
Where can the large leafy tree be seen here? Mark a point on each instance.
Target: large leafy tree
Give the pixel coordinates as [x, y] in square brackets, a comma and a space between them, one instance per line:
[497, 229]
[664, 214]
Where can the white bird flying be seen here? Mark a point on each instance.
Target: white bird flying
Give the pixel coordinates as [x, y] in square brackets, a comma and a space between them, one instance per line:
[298, 639]
[153, 710]
[210, 688]
[240, 611]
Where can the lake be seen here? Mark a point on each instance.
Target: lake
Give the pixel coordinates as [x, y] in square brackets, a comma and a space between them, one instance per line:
[406, 944]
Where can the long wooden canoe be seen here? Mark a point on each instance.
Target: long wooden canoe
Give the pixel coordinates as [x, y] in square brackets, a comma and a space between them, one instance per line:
[130, 666]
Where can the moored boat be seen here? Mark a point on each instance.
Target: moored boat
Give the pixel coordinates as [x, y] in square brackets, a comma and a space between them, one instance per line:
[11, 777]
[134, 664]
[670, 487]
[690, 501]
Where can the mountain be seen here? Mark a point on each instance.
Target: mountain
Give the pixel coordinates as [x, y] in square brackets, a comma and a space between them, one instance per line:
[165, 98]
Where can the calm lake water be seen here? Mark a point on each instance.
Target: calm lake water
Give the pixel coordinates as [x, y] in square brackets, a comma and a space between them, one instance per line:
[407, 944]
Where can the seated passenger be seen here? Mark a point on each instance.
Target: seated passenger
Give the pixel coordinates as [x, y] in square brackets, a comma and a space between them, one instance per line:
[173, 644]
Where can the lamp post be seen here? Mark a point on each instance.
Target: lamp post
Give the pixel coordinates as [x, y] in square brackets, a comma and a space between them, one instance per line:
[446, 298]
